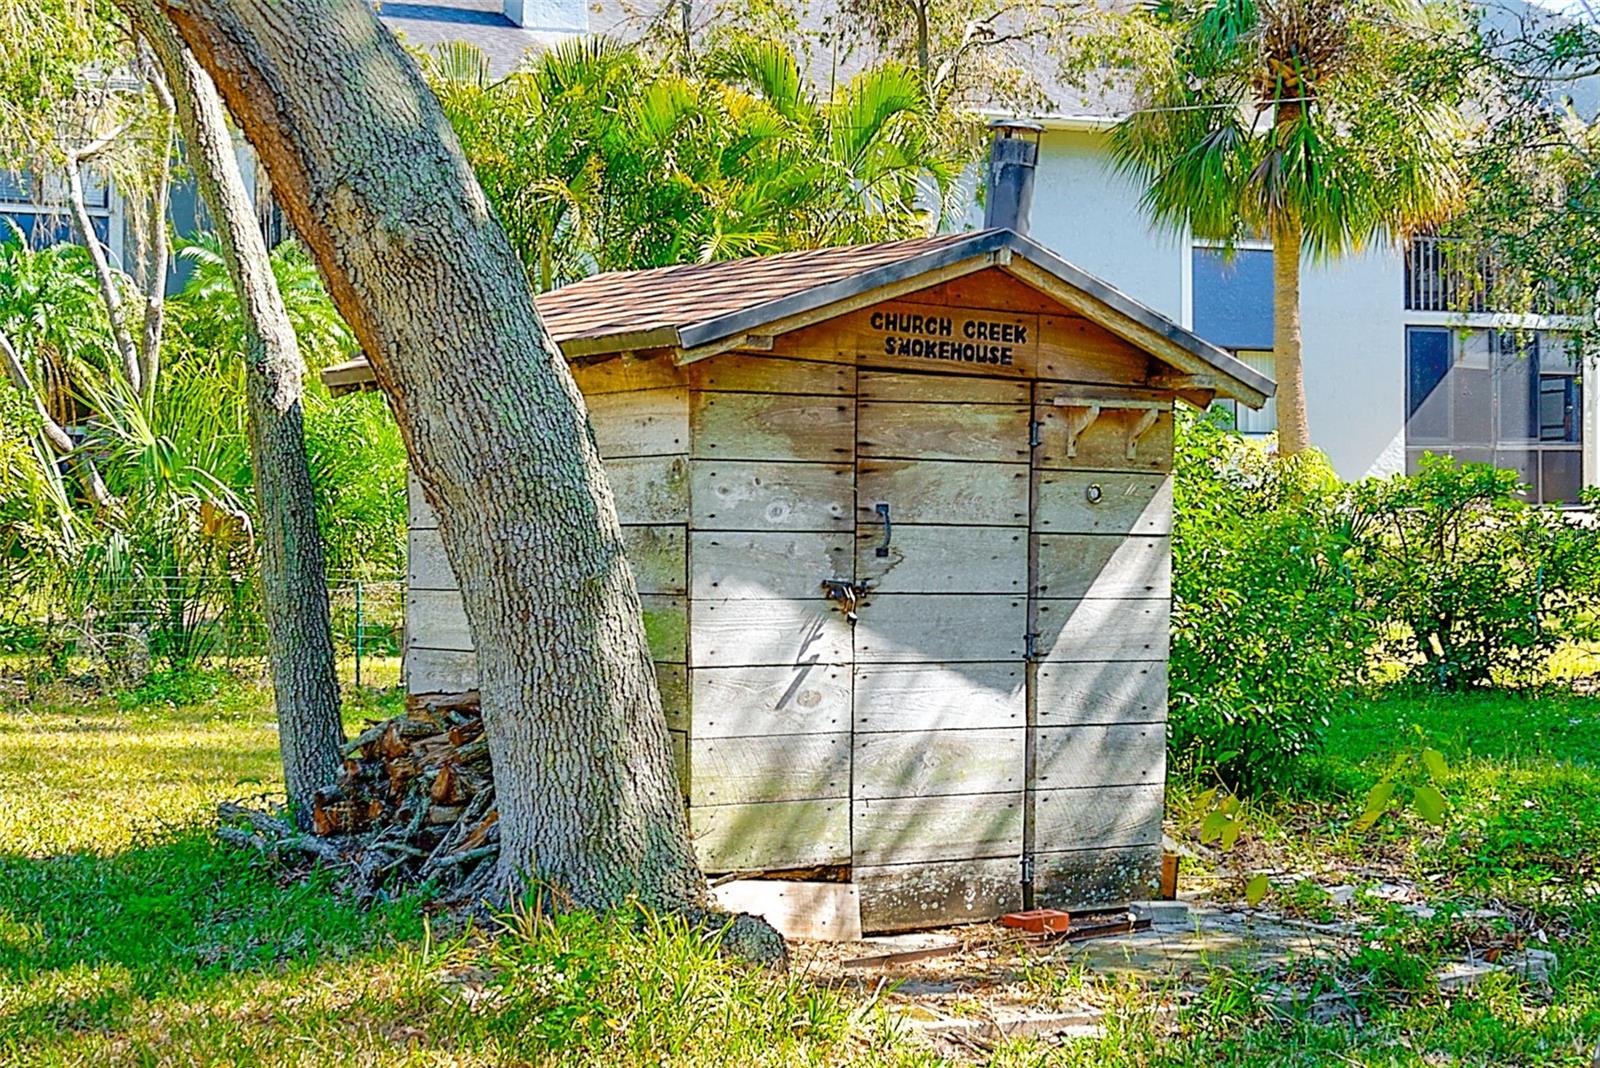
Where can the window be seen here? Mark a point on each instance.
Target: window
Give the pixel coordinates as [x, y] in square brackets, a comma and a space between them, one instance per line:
[1233, 297]
[1510, 398]
[39, 208]
[1251, 420]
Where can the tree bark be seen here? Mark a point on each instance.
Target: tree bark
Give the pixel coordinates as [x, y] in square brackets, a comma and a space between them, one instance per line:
[159, 251]
[294, 587]
[109, 291]
[1294, 431]
[364, 163]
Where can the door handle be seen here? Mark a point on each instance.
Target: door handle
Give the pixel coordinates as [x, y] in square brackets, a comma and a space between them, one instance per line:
[888, 528]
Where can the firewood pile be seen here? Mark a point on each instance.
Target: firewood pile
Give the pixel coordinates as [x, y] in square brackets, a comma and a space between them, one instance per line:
[414, 804]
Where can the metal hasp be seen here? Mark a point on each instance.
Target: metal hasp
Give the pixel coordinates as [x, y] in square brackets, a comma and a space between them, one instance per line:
[888, 528]
[847, 593]
[1013, 156]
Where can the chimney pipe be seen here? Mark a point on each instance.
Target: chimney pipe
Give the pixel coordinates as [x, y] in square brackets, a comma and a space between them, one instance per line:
[1013, 156]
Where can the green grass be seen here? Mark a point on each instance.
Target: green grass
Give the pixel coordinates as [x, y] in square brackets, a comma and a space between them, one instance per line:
[128, 935]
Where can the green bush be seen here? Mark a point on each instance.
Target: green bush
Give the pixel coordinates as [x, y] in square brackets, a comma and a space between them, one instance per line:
[1269, 629]
[1477, 586]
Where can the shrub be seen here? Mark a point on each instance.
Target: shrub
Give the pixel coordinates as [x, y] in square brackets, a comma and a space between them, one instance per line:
[1269, 631]
[1477, 585]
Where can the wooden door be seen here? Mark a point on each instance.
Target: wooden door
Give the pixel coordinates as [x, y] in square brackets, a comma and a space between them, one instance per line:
[1099, 602]
[939, 724]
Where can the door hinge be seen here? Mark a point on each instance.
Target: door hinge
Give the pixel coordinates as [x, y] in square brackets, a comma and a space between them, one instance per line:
[1030, 643]
[1027, 869]
[1035, 433]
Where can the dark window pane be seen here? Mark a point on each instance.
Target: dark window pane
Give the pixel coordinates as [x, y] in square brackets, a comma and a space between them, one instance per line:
[1558, 408]
[1563, 475]
[1427, 364]
[1525, 464]
[14, 186]
[1233, 297]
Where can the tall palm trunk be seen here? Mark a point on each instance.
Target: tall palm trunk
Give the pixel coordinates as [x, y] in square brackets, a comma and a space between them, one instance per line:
[294, 590]
[1294, 431]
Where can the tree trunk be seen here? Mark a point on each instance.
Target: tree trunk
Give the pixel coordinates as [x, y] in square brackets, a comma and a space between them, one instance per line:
[366, 167]
[1294, 431]
[158, 254]
[110, 292]
[294, 587]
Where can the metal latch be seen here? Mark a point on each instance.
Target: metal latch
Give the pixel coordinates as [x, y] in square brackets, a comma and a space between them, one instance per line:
[1030, 643]
[846, 592]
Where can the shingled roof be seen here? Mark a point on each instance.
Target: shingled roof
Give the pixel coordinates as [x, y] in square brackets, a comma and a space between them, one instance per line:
[698, 310]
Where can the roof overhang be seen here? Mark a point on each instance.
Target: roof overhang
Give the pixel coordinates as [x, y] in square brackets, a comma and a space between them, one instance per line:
[1199, 368]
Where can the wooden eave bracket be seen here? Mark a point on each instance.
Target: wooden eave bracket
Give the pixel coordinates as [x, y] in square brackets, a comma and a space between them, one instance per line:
[1082, 410]
[1079, 417]
[1140, 427]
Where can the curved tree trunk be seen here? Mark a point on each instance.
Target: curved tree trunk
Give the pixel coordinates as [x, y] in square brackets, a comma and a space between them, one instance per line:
[294, 589]
[366, 167]
[1294, 431]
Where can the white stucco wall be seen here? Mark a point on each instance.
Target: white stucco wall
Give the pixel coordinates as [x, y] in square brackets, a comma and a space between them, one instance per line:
[1353, 319]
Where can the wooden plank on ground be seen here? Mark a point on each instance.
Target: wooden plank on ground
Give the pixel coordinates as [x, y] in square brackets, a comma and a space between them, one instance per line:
[734, 702]
[1100, 754]
[799, 767]
[902, 830]
[819, 912]
[1082, 502]
[735, 495]
[1104, 444]
[1097, 818]
[929, 697]
[904, 897]
[650, 489]
[1090, 631]
[772, 835]
[768, 564]
[741, 373]
[771, 633]
[983, 432]
[1104, 565]
[773, 426]
[940, 389]
[943, 491]
[1105, 692]
[940, 628]
[939, 763]
[646, 422]
[943, 559]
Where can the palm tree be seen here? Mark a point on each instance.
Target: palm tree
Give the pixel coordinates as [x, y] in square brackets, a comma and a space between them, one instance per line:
[1323, 124]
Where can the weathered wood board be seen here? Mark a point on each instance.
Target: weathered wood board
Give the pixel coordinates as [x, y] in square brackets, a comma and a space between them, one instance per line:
[741, 373]
[1106, 692]
[456, 671]
[650, 489]
[943, 491]
[775, 768]
[626, 375]
[1113, 754]
[930, 697]
[771, 835]
[657, 555]
[904, 897]
[940, 628]
[980, 432]
[901, 830]
[1082, 502]
[940, 389]
[767, 564]
[772, 633]
[435, 619]
[647, 422]
[943, 559]
[1103, 565]
[1100, 818]
[735, 495]
[934, 763]
[1091, 878]
[732, 702]
[772, 426]
[1096, 630]
[1106, 443]
[818, 912]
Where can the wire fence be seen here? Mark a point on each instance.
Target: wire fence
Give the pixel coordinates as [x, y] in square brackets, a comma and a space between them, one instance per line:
[128, 628]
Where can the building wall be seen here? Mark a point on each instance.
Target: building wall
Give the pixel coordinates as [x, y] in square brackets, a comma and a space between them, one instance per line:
[1353, 318]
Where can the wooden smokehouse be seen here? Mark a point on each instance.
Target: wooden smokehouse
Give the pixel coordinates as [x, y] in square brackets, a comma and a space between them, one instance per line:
[900, 517]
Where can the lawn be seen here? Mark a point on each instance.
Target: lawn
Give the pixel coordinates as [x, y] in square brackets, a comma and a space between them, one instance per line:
[129, 936]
